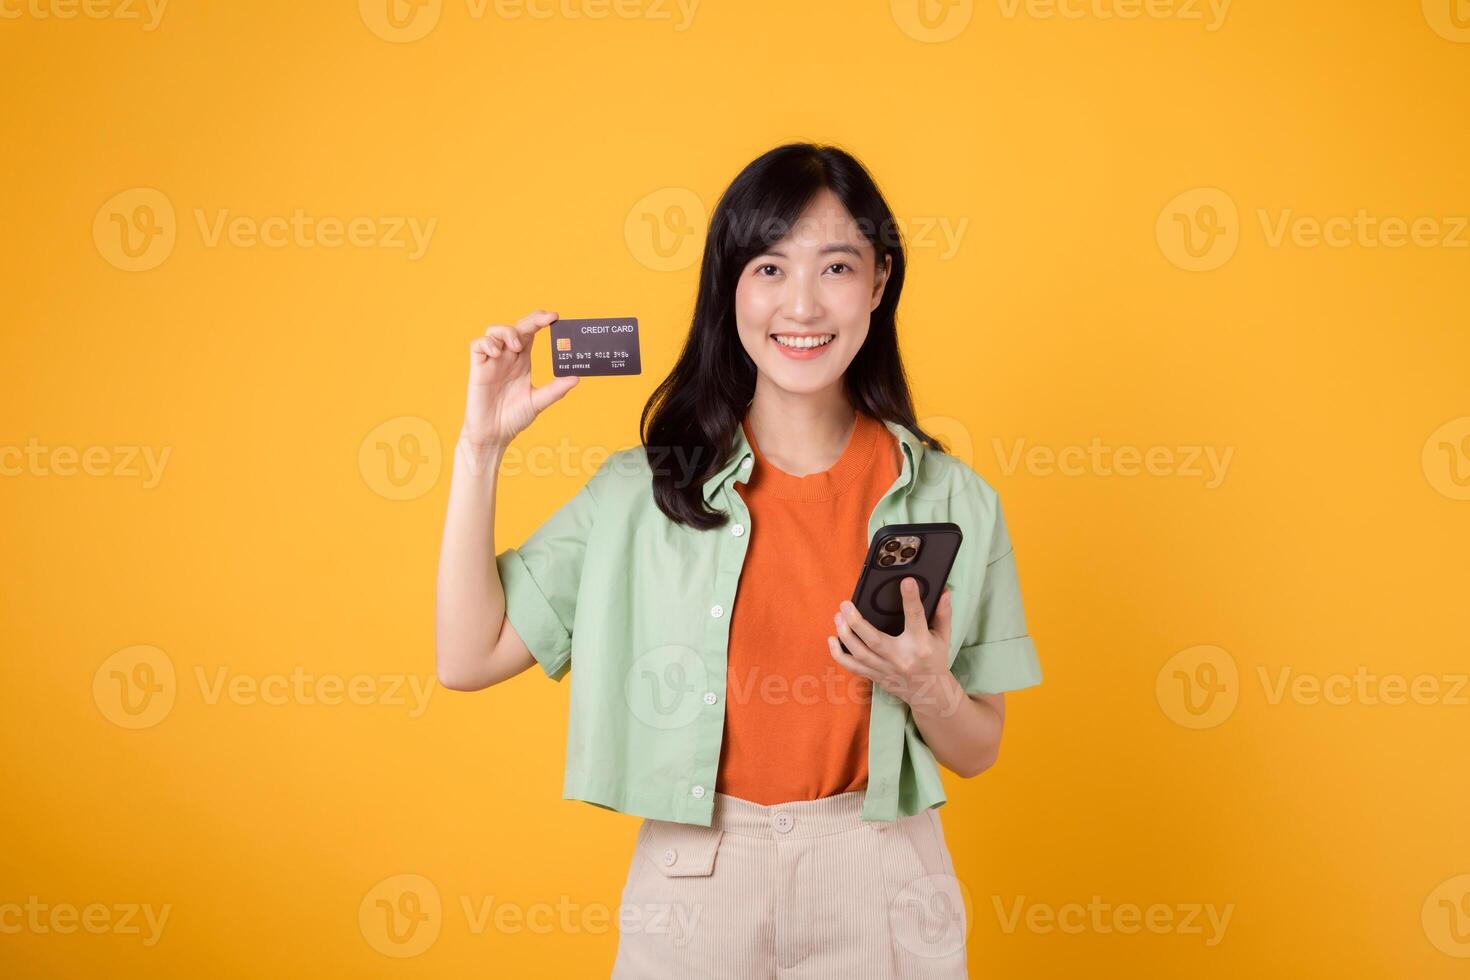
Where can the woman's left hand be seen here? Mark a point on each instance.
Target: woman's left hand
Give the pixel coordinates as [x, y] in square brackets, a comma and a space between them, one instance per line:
[912, 665]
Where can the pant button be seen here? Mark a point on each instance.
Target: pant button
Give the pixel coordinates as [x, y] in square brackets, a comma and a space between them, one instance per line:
[784, 822]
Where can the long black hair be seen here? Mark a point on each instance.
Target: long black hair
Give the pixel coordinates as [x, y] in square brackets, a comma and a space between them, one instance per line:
[694, 412]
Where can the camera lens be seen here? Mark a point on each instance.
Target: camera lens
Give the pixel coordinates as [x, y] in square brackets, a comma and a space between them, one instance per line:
[885, 560]
[909, 552]
[891, 544]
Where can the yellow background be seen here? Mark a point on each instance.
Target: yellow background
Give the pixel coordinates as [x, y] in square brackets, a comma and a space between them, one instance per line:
[1335, 542]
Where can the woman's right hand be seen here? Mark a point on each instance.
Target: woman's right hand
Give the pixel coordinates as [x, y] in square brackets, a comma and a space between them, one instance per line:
[501, 401]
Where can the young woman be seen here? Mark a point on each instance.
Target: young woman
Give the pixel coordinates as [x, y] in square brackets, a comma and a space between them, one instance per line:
[783, 752]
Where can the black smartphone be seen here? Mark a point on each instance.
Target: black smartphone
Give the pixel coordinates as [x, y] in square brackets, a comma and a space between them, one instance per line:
[925, 551]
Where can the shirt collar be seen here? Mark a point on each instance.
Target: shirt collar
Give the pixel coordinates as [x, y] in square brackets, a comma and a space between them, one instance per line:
[736, 467]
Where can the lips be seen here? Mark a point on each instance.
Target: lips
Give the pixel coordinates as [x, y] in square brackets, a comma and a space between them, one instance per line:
[802, 347]
[802, 341]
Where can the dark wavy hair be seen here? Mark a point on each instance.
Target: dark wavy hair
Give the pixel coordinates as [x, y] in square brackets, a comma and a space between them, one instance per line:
[694, 413]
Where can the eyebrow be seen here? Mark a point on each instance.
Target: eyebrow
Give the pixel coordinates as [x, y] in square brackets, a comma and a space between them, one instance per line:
[825, 250]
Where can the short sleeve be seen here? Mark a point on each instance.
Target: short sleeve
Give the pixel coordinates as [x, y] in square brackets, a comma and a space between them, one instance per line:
[998, 653]
[541, 579]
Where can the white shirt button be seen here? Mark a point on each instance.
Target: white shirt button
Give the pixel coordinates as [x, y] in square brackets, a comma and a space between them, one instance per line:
[669, 858]
[745, 463]
[784, 822]
[737, 530]
[698, 792]
[710, 698]
[716, 611]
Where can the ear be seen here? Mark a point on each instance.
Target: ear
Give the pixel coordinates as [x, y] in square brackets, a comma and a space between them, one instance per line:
[880, 280]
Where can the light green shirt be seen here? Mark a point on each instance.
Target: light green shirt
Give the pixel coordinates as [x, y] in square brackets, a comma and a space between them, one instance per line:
[640, 606]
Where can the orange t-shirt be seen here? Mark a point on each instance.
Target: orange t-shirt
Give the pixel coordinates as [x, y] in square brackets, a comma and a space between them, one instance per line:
[796, 724]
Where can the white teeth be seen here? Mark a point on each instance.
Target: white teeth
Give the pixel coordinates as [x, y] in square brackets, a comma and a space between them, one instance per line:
[803, 343]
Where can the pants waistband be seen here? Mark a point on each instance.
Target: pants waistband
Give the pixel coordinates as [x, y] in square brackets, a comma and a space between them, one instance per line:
[802, 818]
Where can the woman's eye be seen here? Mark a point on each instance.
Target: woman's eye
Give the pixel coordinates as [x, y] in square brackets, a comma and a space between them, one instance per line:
[761, 269]
[839, 265]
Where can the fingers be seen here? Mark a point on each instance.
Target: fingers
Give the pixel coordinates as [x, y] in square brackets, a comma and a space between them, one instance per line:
[874, 638]
[527, 325]
[496, 340]
[914, 620]
[551, 392]
[944, 614]
[850, 663]
[858, 648]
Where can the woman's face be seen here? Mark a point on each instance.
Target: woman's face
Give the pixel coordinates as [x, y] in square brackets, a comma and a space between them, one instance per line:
[802, 306]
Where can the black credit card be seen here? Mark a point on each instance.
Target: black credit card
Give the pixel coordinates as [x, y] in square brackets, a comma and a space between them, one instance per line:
[597, 347]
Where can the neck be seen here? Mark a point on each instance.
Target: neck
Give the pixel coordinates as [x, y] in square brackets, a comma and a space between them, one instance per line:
[801, 433]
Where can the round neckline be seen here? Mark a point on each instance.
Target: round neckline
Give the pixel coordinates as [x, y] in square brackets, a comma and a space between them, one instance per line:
[856, 455]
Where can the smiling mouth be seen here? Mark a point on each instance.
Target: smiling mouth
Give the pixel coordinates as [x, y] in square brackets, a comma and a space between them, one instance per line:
[803, 341]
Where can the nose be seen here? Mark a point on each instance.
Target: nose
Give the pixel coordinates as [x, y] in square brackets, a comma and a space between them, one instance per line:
[802, 302]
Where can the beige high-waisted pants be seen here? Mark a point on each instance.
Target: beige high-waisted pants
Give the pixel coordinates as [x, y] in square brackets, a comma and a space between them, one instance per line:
[795, 891]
